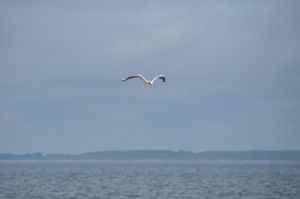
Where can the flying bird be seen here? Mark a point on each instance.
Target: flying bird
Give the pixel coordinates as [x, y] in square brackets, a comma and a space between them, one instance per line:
[147, 83]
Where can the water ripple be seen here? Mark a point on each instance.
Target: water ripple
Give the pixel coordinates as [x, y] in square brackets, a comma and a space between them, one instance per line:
[161, 180]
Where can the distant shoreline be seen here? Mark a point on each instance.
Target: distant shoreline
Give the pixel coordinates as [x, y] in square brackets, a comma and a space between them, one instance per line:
[254, 155]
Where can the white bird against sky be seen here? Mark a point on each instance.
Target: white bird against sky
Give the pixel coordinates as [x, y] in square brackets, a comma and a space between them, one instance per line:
[147, 83]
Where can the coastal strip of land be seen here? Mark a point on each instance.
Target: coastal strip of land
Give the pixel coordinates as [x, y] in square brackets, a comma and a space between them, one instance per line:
[253, 155]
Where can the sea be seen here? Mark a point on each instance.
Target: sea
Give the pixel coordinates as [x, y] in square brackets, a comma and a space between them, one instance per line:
[149, 179]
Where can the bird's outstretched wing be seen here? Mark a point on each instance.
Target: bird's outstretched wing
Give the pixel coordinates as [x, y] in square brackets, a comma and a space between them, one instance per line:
[135, 76]
[162, 77]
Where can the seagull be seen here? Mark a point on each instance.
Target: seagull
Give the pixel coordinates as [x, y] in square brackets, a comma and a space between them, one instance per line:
[147, 83]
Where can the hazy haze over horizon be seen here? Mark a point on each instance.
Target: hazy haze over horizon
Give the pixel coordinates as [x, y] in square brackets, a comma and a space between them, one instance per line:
[232, 68]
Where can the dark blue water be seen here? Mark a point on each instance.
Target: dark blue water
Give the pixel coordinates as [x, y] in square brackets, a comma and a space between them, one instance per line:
[149, 180]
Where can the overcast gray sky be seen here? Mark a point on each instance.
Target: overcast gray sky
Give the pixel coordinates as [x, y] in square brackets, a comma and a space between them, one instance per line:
[233, 70]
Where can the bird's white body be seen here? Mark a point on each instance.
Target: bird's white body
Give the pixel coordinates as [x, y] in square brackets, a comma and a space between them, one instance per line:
[147, 83]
